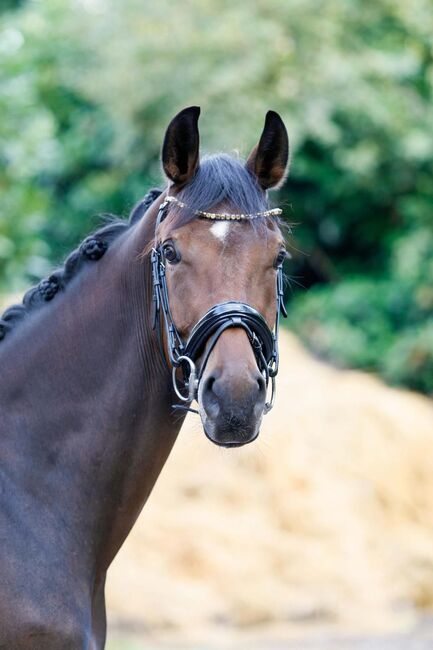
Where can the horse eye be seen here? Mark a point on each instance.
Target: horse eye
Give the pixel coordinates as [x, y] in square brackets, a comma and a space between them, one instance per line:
[282, 255]
[170, 253]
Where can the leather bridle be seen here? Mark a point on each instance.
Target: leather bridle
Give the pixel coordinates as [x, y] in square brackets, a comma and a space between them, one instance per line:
[216, 320]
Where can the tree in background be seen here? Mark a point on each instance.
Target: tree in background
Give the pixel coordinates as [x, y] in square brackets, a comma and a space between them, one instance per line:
[89, 85]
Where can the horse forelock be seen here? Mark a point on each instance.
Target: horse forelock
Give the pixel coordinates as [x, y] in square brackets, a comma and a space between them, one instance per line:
[220, 179]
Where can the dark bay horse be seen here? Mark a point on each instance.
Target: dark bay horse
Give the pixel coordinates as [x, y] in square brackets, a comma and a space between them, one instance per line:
[87, 392]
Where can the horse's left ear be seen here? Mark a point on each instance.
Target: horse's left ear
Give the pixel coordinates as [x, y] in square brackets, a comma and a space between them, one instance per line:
[180, 151]
[268, 160]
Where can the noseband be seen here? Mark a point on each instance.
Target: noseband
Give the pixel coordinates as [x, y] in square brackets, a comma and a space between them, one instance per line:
[206, 332]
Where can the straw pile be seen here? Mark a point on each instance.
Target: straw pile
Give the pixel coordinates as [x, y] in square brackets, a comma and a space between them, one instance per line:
[326, 520]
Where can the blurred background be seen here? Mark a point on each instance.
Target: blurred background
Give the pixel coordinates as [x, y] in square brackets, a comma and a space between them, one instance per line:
[325, 527]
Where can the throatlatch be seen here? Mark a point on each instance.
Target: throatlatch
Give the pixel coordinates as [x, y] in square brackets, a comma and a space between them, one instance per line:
[208, 329]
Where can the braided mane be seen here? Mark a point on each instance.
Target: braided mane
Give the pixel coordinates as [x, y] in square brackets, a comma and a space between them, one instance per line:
[90, 250]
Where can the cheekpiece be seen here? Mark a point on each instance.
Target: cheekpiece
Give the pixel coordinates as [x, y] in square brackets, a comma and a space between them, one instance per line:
[226, 216]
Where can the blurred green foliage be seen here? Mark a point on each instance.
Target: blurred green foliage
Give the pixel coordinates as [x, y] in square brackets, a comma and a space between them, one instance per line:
[88, 86]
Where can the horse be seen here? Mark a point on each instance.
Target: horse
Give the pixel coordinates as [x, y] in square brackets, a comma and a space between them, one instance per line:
[102, 360]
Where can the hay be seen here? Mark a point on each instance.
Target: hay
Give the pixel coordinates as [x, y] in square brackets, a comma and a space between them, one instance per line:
[326, 520]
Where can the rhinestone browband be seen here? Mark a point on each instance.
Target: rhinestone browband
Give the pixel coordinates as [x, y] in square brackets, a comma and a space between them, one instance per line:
[225, 216]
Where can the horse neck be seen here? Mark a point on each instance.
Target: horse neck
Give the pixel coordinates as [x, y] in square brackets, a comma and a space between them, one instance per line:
[87, 402]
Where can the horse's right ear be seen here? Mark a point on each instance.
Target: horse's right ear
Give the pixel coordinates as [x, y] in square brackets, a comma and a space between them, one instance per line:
[180, 151]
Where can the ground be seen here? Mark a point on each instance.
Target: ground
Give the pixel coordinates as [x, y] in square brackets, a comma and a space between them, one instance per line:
[325, 522]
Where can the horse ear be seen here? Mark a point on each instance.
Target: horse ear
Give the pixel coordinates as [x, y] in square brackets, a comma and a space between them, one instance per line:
[180, 151]
[268, 160]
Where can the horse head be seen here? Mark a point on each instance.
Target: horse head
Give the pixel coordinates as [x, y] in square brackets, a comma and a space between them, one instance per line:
[217, 272]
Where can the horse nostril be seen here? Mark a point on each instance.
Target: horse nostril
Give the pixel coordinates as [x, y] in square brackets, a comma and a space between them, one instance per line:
[210, 398]
[209, 383]
[261, 383]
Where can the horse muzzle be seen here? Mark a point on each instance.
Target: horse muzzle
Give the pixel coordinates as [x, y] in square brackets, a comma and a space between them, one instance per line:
[232, 395]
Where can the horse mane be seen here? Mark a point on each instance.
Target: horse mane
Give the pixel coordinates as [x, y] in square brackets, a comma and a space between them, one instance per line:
[91, 249]
[220, 178]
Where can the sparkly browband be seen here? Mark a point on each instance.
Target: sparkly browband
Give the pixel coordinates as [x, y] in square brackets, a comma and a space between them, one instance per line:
[225, 216]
